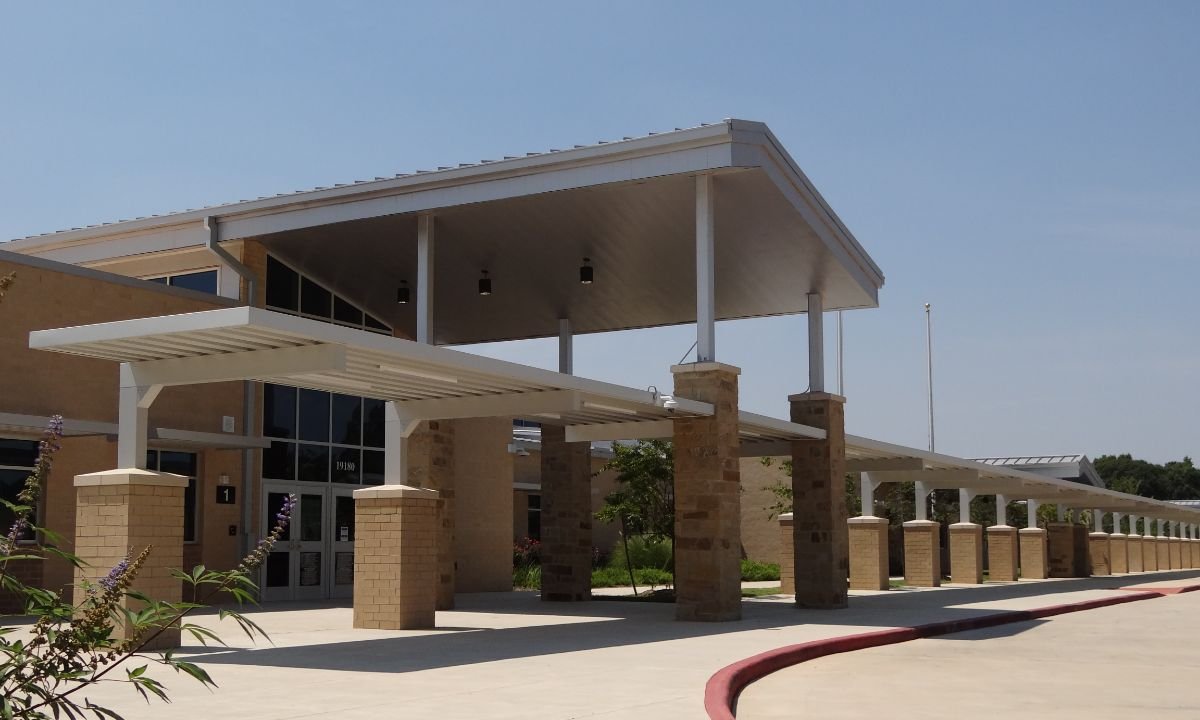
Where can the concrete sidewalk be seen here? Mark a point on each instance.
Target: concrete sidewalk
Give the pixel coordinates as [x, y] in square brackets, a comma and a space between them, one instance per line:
[509, 655]
[1136, 659]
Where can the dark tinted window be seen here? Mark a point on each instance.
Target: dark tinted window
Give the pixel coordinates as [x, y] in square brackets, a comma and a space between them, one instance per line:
[205, 281]
[375, 324]
[345, 312]
[314, 463]
[347, 420]
[283, 286]
[372, 467]
[279, 411]
[372, 423]
[160, 281]
[314, 415]
[346, 465]
[314, 299]
[279, 461]
[180, 463]
[11, 482]
[18, 453]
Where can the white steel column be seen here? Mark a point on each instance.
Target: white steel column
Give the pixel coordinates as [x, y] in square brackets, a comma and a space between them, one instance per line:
[1133, 521]
[1098, 520]
[1031, 508]
[395, 446]
[1117, 523]
[816, 343]
[1001, 510]
[566, 347]
[965, 496]
[1062, 512]
[921, 501]
[867, 486]
[706, 304]
[133, 415]
[425, 255]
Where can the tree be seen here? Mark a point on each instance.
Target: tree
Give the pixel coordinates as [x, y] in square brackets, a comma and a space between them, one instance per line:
[644, 501]
[1175, 480]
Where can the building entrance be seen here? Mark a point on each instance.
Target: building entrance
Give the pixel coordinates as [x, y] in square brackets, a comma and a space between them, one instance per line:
[314, 560]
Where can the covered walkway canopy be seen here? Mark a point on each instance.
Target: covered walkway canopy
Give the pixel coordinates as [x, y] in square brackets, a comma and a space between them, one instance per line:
[426, 382]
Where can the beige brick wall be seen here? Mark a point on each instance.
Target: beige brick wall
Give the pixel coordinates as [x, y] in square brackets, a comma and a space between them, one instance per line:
[1149, 553]
[922, 553]
[1003, 553]
[1035, 560]
[396, 559]
[1162, 549]
[1176, 558]
[966, 553]
[787, 569]
[868, 538]
[1133, 547]
[760, 536]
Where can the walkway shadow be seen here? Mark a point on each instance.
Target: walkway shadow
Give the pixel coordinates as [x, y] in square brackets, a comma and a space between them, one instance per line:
[601, 624]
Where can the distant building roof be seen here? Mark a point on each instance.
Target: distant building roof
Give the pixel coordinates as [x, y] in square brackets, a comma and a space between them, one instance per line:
[1068, 467]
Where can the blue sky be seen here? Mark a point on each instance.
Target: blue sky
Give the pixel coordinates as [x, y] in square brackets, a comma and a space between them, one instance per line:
[1031, 169]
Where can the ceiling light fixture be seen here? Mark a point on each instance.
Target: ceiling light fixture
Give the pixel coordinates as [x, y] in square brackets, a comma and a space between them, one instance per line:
[586, 273]
[402, 293]
[485, 284]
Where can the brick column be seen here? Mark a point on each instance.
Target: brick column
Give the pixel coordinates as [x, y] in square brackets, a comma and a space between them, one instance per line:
[395, 557]
[1067, 546]
[1133, 551]
[922, 553]
[1149, 553]
[787, 552]
[1195, 553]
[868, 552]
[966, 553]
[566, 516]
[820, 533]
[122, 512]
[1162, 549]
[1118, 553]
[1003, 553]
[1100, 551]
[1176, 555]
[431, 466]
[708, 576]
[1035, 553]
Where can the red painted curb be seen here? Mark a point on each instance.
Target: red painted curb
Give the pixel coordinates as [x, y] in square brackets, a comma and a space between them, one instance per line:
[722, 689]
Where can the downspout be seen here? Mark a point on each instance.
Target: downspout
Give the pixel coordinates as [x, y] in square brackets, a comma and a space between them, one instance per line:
[248, 390]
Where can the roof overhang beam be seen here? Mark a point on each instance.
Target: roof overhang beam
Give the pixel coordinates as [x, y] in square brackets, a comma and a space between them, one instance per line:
[648, 430]
[549, 402]
[874, 465]
[280, 362]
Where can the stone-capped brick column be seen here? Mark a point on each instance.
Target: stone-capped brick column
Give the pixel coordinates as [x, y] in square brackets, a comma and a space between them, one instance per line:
[1100, 550]
[1118, 553]
[820, 533]
[566, 516]
[120, 512]
[1059, 550]
[1133, 551]
[966, 553]
[1195, 553]
[1174, 545]
[868, 552]
[1035, 553]
[922, 553]
[1162, 550]
[1003, 553]
[787, 550]
[1149, 552]
[431, 466]
[708, 577]
[395, 557]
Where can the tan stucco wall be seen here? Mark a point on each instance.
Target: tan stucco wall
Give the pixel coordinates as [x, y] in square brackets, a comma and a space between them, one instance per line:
[483, 504]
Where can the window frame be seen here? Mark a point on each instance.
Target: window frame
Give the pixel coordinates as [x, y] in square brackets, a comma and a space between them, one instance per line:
[197, 514]
[382, 329]
[332, 447]
[169, 276]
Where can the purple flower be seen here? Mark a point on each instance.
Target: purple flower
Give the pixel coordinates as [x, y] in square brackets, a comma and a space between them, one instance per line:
[109, 581]
[285, 511]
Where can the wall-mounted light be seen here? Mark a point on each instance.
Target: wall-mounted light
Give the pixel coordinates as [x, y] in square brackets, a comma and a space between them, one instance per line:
[485, 284]
[402, 293]
[586, 272]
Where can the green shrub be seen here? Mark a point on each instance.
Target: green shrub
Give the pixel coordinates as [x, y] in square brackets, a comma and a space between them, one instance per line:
[642, 553]
[752, 570]
[619, 577]
[527, 577]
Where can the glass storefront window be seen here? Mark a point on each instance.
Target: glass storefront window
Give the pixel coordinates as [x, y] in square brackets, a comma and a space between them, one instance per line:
[279, 411]
[180, 463]
[283, 286]
[314, 416]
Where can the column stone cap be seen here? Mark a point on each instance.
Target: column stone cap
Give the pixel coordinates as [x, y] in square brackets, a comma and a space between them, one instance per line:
[1032, 531]
[1116, 535]
[395, 491]
[1098, 534]
[130, 476]
[1001, 528]
[704, 367]
[964, 526]
[921, 523]
[798, 397]
[867, 520]
[786, 518]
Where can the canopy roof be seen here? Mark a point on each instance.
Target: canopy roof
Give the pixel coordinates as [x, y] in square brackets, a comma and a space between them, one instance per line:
[430, 382]
[629, 206]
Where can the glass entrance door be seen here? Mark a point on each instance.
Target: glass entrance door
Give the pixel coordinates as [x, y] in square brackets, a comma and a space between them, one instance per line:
[314, 559]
